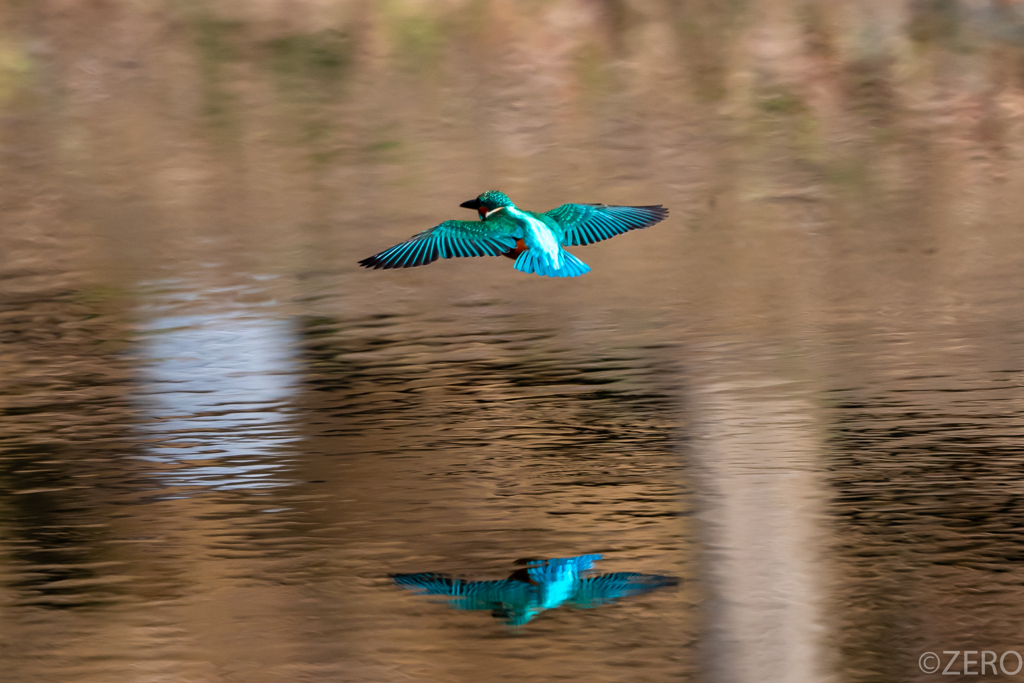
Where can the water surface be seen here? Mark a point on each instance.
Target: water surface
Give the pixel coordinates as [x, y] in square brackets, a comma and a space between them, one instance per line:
[798, 399]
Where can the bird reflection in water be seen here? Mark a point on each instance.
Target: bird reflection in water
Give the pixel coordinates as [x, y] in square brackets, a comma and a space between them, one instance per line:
[540, 585]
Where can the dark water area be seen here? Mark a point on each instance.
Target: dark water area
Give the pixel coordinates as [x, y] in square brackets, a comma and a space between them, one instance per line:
[788, 418]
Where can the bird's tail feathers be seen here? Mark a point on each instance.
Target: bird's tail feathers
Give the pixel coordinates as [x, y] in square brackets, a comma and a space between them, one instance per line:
[529, 262]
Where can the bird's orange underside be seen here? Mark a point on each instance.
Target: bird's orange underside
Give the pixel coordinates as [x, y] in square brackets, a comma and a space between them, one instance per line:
[519, 249]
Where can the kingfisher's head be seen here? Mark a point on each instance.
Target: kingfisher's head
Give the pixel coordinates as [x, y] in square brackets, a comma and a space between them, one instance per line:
[488, 203]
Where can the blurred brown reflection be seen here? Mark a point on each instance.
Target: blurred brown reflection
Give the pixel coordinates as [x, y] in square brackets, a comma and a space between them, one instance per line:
[927, 500]
[60, 425]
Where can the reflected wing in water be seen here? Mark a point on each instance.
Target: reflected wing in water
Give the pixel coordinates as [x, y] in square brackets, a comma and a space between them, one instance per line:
[541, 585]
[470, 594]
[607, 588]
[510, 600]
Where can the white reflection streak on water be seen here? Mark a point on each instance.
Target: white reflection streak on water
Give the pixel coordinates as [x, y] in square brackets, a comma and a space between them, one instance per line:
[215, 392]
[760, 502]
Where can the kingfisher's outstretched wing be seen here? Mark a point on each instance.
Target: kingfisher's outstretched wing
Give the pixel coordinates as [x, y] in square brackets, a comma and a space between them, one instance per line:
[584, 224]
[600, 590]
[451, 239]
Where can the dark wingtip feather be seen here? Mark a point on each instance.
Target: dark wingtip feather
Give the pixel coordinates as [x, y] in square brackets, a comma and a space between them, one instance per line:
[370, 262]
[377, 263]
[657, 211]
[404, 255]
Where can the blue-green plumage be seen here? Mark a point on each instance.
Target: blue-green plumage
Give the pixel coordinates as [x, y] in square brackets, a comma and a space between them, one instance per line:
[535, 240]
[541, 585]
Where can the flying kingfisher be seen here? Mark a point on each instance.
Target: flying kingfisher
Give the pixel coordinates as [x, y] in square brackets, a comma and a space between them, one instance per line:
[534, 240]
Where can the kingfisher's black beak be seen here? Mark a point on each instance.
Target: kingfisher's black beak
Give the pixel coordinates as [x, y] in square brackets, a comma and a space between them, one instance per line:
[471, 204]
